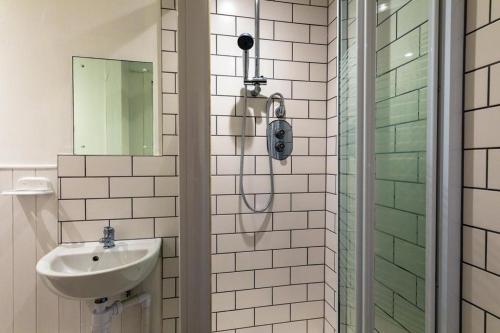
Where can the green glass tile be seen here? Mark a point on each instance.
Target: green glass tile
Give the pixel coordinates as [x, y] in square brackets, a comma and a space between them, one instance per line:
[396, 279]
[400, 109]
[401, 51]
[400, 166]
[384, 245]
[385, 138]
[409, 315]
[412, 15]
[384, 193]
[412, 75]
[385, 86]
[386, 32]
[411, 137]
[410, 197]
[410, 257]
[384, 297]
[395, 222]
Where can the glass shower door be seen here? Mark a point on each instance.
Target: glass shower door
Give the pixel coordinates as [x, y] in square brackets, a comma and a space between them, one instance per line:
[386, 120]
[400, 165]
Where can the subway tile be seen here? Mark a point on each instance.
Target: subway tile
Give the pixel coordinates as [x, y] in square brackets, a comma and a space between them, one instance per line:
[476, 89]
[290, 183]
[222, 24]
[153, 207]
[475, 168]
[108, 166]
[290, 294]
[97, 209]
[247, 25]
[493, 251]
[277, 50]
[153, 166]
[254, 260]
[309, 52]
[253, 222]
[223, 224]
[478, 288]
[82, 188]
[289, 257]
[307, 274]
[170, 103]
[222, 65]
[472, 319]
[319, 34]
[309, 90]
[481, 40]
[273, 10]
[309, 15]
[133, 228]
[223, 263]
[291, 32]
[309, 165]
[272, 277]
[235, 319]
[478, 13]
[168, 40]
[166, 186]
[290, 220]
[479, 129]
[235, 281]
[494, 85]
[258, 329]
[170, 308]
[480, 209]
[228, 46]
[82, 231]
[272, 314]
[169, 19]
[121, 187]
[71, 210]
[291, 327]
[310, 237]
[223, 301]
[71, 166]
[222, 105]
[235, 243]
[309, 128]
[272, 240]
[308, 201]
[236, 8]
[307, 310]
[254, 298]
[289, 70]
[167, 227]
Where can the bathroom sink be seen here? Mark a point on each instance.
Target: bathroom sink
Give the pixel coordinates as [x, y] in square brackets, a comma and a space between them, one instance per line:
[88, 271]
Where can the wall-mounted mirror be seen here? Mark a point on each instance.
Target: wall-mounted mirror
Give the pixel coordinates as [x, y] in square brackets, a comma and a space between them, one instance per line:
[113, 107]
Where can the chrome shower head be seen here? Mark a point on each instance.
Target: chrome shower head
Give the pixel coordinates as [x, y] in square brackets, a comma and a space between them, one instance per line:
[245, 41]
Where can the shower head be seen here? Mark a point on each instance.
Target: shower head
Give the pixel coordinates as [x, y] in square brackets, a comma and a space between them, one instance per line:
[245, 41]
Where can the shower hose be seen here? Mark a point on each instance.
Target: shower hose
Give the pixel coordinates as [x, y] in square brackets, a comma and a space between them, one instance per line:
[242, 153]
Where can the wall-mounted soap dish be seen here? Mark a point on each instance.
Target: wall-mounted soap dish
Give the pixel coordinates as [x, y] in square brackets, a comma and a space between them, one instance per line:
[30, 186]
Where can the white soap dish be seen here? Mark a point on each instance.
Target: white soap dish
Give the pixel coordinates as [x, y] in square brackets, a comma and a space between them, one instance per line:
[30, 186]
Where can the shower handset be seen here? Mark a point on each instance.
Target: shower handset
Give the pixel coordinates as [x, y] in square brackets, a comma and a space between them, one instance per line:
[279, 132]
[246, 42]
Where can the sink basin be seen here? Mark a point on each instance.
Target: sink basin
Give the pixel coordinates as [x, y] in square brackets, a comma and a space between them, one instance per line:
[88, 271]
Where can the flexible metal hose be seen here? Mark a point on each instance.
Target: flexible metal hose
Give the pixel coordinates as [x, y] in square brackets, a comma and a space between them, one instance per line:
[242, 152]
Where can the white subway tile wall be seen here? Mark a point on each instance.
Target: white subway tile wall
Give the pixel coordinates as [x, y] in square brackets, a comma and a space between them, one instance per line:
[481, 230]
[269, 268]
[331, 239]
[137, 196]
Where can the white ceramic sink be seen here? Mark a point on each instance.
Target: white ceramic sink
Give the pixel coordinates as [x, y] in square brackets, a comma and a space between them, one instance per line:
[88, 271]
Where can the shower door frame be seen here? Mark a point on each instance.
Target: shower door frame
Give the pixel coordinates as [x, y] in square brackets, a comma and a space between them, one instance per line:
[444, 170]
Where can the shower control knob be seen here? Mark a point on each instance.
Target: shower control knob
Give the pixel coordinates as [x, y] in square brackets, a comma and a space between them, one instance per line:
[280, 134]
[280, 147]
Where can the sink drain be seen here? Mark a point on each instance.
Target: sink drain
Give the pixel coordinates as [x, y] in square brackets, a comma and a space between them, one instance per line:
[95, 258]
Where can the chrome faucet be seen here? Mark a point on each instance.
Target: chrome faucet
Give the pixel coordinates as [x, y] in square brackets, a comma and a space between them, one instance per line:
[108, 239]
